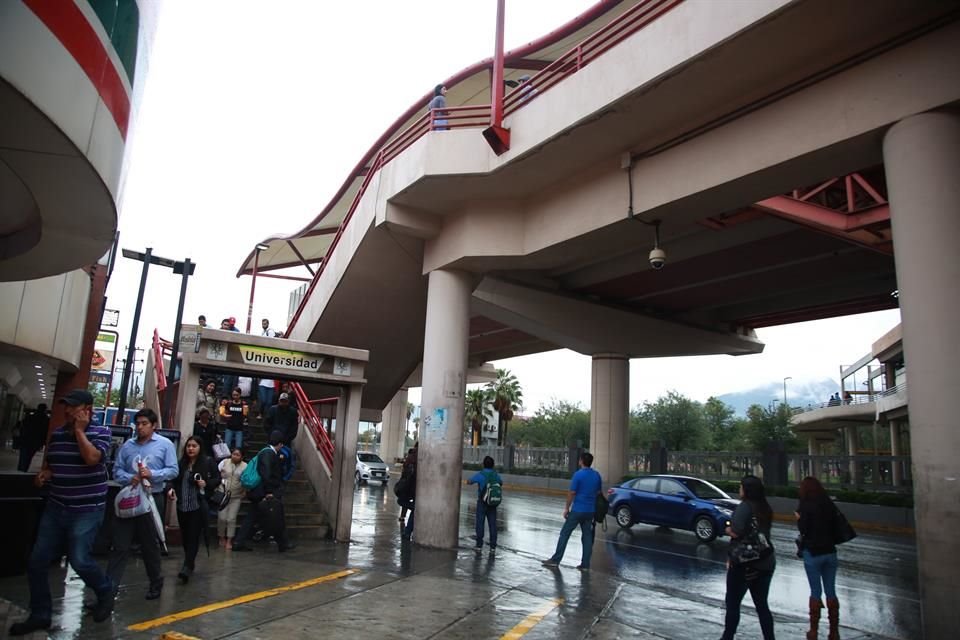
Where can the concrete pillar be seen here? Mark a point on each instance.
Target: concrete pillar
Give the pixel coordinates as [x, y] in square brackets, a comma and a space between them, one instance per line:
[853, 445]
[921, 156]
[896, 449]
[393, 433]
[609, 415]
[439, 459]
[187, 399]
[345, 461]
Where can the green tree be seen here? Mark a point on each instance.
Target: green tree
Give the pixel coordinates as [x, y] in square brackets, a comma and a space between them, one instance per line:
[558, 424]
[721, 424]
[768, 424]
[677, 421]
[507, 398]
[477, 408]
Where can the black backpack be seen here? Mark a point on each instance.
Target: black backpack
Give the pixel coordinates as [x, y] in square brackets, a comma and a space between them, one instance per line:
[601, 507]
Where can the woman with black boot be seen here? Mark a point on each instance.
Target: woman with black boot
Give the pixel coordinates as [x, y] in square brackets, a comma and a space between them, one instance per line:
[198, 479]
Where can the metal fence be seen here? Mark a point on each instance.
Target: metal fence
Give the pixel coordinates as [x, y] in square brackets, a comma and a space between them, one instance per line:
[719, 465]
[880, 473]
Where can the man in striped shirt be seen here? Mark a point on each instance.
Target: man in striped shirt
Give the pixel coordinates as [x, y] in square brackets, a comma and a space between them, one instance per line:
[74, 470]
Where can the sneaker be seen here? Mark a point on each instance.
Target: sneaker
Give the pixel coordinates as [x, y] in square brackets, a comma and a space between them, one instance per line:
[104, 606]
[29, 626]
[550, 562]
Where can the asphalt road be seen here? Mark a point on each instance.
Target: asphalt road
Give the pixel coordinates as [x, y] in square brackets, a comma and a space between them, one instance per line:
[877, 582]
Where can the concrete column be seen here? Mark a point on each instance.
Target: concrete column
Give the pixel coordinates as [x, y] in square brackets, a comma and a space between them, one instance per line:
[896, 449]
[345, 462]
[187, 399]
[921, 156]
[853, 445]
[394, 428]
[609, 415]
[440, 456]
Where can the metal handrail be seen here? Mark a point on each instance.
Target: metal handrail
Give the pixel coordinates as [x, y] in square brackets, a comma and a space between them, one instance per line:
[314, 424]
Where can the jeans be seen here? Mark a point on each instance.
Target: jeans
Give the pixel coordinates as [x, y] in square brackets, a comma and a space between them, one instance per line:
[574, 518]
[265, 395]
[823, 569]
[61, 528]
[234, 439]
[741, 578]
[145, 531]
[488, 515]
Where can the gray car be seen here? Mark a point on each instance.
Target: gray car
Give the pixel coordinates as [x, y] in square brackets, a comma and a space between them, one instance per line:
[371, 468]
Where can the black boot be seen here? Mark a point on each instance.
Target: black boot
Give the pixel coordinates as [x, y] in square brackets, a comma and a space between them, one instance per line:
[29, 625]
[156, 588]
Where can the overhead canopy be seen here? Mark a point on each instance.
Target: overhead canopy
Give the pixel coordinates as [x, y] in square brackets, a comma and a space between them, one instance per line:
[468, 87]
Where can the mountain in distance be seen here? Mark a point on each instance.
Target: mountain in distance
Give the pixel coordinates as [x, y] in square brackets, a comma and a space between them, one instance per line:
[800, 393]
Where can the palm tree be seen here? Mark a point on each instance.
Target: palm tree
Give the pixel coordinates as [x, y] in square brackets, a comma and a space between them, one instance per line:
[476, 409]
[507, 398]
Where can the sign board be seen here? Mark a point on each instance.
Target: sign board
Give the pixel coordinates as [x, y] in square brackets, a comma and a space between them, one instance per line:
[111, 318]
[100, 377]
[281, 358]
[104, 353]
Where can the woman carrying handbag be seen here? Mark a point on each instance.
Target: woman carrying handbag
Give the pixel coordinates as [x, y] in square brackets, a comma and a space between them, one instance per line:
[197, 479]
[230, 471]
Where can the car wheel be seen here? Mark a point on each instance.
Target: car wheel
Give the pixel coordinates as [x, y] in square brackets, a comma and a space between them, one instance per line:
[705, 529]
[624, 516]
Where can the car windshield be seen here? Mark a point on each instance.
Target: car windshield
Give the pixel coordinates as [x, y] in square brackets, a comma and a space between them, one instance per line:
[369, 457]
[703, 489]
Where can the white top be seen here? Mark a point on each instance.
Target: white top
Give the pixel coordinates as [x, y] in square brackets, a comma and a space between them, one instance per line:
[266, 383]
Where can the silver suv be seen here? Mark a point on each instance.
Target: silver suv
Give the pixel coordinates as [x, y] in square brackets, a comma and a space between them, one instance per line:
[371, 468]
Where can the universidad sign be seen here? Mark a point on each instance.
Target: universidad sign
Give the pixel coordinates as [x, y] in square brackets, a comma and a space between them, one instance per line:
[280, 358]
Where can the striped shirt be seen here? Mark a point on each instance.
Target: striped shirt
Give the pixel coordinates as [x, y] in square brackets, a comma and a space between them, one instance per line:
[76, 485]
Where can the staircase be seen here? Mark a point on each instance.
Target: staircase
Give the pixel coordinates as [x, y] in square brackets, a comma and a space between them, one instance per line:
[301, 507]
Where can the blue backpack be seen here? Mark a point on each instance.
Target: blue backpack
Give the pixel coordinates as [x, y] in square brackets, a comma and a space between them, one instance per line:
[250, 478]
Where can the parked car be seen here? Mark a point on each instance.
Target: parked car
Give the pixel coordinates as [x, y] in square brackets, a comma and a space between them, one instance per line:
[678, 502]
[371, 467]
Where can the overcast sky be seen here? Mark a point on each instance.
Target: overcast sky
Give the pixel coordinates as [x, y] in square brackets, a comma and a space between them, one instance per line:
[253, 113]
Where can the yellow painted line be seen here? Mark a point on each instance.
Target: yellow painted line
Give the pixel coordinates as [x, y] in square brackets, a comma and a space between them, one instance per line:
[250, 597]
[531, 620]
[176, 635]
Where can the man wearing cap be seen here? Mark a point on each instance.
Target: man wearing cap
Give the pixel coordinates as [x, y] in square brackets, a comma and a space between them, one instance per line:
[270, 488]
[233, 324]
[283, 418]
[149, 458]
[75, 471]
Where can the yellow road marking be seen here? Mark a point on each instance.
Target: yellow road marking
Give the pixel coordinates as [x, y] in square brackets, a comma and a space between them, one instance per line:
[176, 635]
[531, 620]
[250, 597]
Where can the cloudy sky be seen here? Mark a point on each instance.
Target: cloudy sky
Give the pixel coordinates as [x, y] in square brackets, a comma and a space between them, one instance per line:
[253, 113]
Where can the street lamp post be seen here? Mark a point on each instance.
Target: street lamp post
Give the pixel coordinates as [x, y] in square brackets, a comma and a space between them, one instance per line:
[785, 389]
[147, 258]
[253, 282]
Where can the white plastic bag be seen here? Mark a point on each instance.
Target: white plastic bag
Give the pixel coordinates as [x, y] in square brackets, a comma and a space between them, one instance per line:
[132, 501]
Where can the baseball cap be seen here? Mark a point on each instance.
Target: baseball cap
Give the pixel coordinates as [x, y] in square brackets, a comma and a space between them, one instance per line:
[77, 397]
[276, 437]
[232, 320]
[284, 396]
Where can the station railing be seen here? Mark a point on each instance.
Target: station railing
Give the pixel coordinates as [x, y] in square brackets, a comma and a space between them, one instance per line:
[313, 424]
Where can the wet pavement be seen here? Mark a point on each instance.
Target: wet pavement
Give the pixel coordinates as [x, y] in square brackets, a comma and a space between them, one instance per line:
[645, 583]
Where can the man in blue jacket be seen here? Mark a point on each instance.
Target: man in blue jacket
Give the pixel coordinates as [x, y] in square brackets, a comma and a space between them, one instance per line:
[486, 512]
[585, 485]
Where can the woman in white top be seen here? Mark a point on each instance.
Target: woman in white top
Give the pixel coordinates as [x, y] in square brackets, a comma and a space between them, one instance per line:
[230, 470]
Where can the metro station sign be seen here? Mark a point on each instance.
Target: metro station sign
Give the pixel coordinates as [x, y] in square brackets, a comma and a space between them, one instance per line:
[280, 358]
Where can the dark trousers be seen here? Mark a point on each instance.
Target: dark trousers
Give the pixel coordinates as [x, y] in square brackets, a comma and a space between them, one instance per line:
[144, 531]
[27, 451]
[60, 528]
[246, 529]
[486, 515]
[740, 579]
[192, 524]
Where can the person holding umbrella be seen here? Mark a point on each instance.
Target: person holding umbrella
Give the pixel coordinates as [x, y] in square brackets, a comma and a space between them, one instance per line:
[148, 459]
[199, 478]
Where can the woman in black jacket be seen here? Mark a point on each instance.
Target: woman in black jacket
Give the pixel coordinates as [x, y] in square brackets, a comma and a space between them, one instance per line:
[198, 478]
[816, 518]
[754, 576]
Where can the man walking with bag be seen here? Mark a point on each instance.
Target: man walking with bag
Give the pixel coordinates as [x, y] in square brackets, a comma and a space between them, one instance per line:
[266, 498]
[585, 485]
[489, 495]
[75, 471]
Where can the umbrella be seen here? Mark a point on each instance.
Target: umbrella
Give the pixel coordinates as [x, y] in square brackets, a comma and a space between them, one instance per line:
[157, 518]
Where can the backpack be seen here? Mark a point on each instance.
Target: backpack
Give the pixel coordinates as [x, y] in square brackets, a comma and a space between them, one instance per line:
[601, 507]
[493, 493]
[250, 478]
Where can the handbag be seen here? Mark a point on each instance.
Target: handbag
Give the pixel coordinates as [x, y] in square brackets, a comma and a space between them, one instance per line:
[842, 531]
[132, 501]
[220, 449]
[219, 499]
[751, 546]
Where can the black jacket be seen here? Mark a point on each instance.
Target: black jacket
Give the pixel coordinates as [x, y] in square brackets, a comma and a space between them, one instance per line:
[284, 420]
[207, 468]
[816, 524]
[271, 474]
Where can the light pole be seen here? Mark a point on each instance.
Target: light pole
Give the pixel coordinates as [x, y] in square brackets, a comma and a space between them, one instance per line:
[785, 389]
[253, 282]
[147, 258]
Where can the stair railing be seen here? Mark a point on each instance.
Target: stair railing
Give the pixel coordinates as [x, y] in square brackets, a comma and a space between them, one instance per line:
[314, 424]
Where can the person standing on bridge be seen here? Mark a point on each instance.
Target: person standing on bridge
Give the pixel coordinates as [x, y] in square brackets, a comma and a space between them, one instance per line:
[585, 486]
[437, 107]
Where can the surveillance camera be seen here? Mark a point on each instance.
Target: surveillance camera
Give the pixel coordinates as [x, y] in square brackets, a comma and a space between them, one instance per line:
[658, 258]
